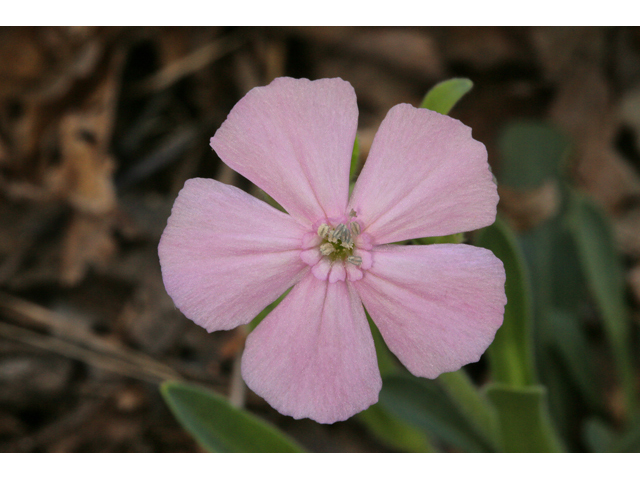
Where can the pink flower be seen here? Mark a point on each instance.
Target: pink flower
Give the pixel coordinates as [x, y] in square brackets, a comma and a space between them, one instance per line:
[226, 255]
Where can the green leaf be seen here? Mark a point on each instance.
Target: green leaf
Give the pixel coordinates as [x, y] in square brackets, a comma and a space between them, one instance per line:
[388, 428]
[511, 353]
[571, 344]
[443, 96]
[395, 432]
[355, 159]
[453, 238]
[267, 310]
[530, 153]
[220, 427]
[523, 419]
[604, 272]
[471, 403]
[387, 363]
[424, 404]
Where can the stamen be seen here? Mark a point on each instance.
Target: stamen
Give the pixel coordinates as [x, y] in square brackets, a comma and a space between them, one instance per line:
[323, 230]
[355, 260]
[327, 249]
[343, 234]
[353, 213]
[355, 228]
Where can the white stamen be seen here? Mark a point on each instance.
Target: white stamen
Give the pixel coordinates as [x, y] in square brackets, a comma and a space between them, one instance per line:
[355, 260]
[343, 234]
[323, 230]
[327, 249]
[355, 228]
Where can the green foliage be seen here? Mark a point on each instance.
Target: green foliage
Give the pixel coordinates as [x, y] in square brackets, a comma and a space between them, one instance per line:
[511, 353]
[388, 428]
[218, 426]
[453, 238]
[443, 96]
[394, 432]
[424, 404]
[355, 160]
[523, 420]
[267, 310]
[530, 153]
[472, 403]
[628, 442]
[603, 269]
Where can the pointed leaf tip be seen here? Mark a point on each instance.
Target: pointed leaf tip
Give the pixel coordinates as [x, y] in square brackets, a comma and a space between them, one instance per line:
[443, 96]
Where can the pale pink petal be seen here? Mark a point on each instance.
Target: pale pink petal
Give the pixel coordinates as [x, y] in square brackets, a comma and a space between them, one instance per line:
[437, 307]
[294, 138]
[226, 255]
[313, 356]
[424, 176]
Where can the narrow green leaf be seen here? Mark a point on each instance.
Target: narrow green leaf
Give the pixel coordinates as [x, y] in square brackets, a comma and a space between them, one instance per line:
[267, 310]
[443, 96]
[571, 344]
[387, 362]
[511, 353]
[424, 404]
[530, 153]
[523, 419]
[453, 238]
[355, 159]
[220, 427]
[395, 432]
[472, 403]
[603, 269]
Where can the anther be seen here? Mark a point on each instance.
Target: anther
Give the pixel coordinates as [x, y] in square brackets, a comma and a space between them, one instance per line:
[355, 228]
[355, 260]
[343, 234]
[323, 230]
[353, 213]
[327, 249]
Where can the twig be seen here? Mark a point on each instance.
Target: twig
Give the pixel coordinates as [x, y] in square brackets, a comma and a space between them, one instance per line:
[189, 64]
[93, 346]
[97, 359]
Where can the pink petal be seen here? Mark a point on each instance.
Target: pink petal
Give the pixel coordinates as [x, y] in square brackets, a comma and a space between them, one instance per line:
[294, 138]
[425, 176]
[438, 307]
[226, 255]
[313, 356]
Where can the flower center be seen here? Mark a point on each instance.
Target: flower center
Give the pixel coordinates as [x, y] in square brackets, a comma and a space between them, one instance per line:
[337, 243]
[337, 251]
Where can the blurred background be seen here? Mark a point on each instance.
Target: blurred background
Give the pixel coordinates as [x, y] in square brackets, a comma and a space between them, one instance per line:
[100, 128]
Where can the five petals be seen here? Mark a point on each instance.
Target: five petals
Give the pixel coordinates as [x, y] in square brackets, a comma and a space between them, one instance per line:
[226, 255]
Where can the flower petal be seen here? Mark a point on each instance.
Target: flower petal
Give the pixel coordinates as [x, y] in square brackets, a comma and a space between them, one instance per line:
[226, 255]
[313, 356]
[437, 307]
[294, 138]
[424, 176]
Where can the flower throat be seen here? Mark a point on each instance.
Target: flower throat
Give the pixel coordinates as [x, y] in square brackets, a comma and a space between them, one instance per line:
[337, 243]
